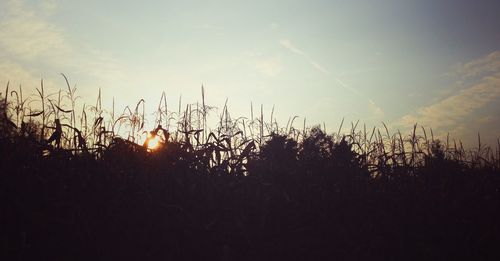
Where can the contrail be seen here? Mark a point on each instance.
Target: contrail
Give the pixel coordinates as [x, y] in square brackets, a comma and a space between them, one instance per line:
[289, 46]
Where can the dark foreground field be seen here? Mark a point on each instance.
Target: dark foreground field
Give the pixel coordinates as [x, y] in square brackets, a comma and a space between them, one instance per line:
[282, 197]
[166, 205]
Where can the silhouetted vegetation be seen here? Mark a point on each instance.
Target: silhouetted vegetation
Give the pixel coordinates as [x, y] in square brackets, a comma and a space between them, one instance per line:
[86, 186]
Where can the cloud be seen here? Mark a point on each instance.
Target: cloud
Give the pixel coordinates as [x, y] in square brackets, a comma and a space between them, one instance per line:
[27, 39]
[452, 110]
[32, 47]
[319, 67]
[481, 67]
[290, 47]
[14, 72]
[488, 119]
[377, 111]
[462, 112]
[49, 7]
[274, 26]
[209, 27]
[270, 67]
[348, 87]
[25, 34]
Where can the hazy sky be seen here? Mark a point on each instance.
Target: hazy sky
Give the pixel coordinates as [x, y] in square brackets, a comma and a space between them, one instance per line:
[432, 62]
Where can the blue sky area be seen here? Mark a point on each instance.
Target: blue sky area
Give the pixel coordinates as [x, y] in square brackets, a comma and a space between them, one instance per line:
[436, 63]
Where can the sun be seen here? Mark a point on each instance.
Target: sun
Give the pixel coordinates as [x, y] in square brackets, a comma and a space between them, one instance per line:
[153, 142]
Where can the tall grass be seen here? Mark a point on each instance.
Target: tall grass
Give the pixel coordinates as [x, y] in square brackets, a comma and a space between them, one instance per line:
[231, 141]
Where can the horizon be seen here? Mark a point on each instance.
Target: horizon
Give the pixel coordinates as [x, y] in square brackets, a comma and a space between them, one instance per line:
[434, 64]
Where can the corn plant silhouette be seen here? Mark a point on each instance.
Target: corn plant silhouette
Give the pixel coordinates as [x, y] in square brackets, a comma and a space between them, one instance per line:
[244, 190]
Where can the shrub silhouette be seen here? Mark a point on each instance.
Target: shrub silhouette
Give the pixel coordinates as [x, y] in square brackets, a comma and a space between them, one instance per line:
[277, 160]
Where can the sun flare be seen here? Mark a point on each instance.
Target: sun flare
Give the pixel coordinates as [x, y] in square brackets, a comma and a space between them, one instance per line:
[153, 142]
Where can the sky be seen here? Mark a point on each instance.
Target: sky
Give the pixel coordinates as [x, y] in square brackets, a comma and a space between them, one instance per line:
[435, 63]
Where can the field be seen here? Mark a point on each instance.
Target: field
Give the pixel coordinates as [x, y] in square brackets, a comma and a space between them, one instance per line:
[97, 184]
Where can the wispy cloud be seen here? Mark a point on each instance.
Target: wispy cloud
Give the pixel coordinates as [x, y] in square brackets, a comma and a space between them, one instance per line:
[16, 74]
[453, 110]
[289, 46]
[458, 113]
[481, 67]
[270, 67]
[49, 7]
[209, 27]
[27, 40]
[378, 112]
[25, 34]
[319, 67]
[32, 47]
[346, 86]
[274, 26]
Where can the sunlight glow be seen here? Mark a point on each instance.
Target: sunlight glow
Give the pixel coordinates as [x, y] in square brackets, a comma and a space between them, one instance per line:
[153, 142]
